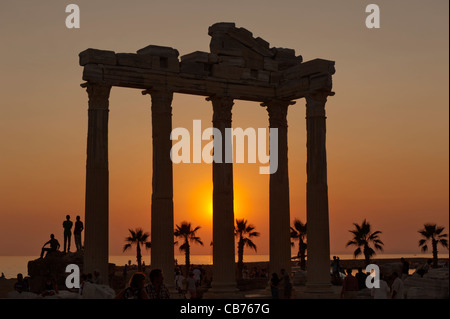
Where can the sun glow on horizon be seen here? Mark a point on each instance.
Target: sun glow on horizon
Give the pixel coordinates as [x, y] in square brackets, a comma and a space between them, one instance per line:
[201, 202]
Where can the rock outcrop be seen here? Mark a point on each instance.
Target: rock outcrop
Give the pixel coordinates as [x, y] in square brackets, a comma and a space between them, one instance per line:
[54, 265]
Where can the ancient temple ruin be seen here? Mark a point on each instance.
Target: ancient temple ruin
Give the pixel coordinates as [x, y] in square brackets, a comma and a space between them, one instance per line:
[238, 67]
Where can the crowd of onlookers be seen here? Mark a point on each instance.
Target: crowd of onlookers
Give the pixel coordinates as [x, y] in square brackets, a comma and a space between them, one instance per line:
[387, 287]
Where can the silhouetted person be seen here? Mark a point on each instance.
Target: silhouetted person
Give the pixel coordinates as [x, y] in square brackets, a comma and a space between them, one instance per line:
[405, 267]
[54, 245]
[83, 280]
[397, 287]
[135, 289]
[50, 287]
[287, 286]
[383, 291]
[274, 286]
[97, 279]
[21, 285]
[425, 268]
[125, 268]
[361, 277]
[349, 286]
[335, 269]
[67, 225]
[191, 286]
[77, 233]
[156, 288]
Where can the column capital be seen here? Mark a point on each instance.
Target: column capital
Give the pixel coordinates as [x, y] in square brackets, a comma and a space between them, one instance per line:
[98, 95]
[222, 106]
[161, 100]
[315, 104]
[277, 110]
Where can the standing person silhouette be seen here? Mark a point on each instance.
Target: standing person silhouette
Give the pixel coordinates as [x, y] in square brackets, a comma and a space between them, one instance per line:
[77, 233]
[156, 288]
[67, 225]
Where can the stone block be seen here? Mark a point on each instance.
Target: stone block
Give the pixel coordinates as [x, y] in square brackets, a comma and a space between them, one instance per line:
[220, 27]
[283, 53]
[192, 67]
[275, 77]
[232, 61]
[270, 64]
[317, 66]
[256, 75]
[225, 45]
[262, 50]
[263, 76]
[284, 64]
[197, 56]
[226, 72]
[135, 60]
[94, 56]
[167, 52]
[242, 35]
[169, 64]
[263, 43]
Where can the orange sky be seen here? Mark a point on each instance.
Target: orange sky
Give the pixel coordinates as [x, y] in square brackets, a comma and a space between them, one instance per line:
[387, 125]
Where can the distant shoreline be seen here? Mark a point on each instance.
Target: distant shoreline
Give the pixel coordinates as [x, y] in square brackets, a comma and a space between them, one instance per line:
[11, 265]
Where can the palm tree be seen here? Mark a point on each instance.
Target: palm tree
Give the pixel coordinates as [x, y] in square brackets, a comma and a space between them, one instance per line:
[433, 233]
[362, 238]
[241, 230]
[186, 232]
[299, 232]
[137, 237]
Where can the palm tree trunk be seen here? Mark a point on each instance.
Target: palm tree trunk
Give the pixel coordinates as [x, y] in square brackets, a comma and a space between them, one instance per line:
[138, 256]
[366, 257]
[302, 253]
[240, 257]
[435, 253]
[187, 258]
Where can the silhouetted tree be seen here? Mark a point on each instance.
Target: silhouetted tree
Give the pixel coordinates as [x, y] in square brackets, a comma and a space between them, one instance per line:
[186, 233]
[433, 233]
[362, 238]
[299, 232]
[244, 233]
[137, 237]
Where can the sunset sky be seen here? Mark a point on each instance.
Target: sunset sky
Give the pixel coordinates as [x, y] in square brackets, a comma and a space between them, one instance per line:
[387, 126]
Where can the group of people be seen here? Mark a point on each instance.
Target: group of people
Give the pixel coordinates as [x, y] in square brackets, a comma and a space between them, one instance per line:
[352, 284]
[139, 289]
[67, 226]
[389, 288]
[50, 286]
[254, 273]
[336, 270]
[281, 286]
[188, 287]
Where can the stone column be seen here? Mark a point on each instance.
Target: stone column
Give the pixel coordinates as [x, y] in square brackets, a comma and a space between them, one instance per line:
[162, 224]
[318, 263]
[279, 212]
[224, 270]
[97, 182]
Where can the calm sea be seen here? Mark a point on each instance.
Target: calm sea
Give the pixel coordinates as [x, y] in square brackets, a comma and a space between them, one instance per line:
[12, 265]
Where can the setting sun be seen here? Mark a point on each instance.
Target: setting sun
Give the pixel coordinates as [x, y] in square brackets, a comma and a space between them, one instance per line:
[201, 203]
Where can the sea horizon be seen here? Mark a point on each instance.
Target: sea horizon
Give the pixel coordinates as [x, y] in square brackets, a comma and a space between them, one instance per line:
[12, 265]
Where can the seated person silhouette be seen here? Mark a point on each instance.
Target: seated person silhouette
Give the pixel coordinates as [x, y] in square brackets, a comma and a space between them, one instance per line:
[54, 246]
